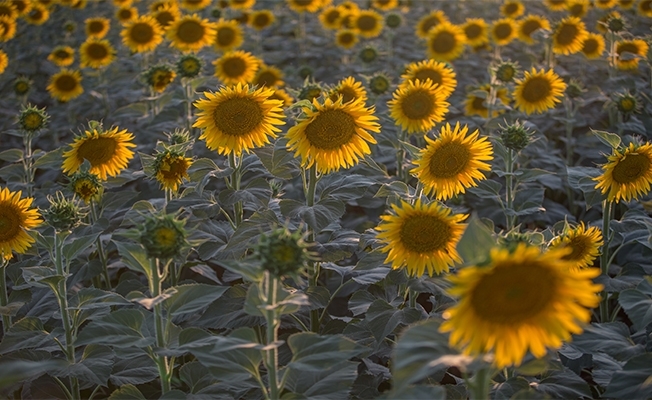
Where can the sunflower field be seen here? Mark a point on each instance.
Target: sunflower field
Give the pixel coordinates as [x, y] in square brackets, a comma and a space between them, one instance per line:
[325, 199]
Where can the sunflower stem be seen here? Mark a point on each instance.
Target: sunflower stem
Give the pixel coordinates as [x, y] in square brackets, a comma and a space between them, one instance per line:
[271, 359]
[187, 89]
[100, 247]
[413, 294]
[550, 55]
[480, 384]
[28, 162]
[400, 155]
[155, 290]
[236, 177]
[612, 54]
[570, 114]
[607, 214]
[4, 298]
[509, 190]
[310, 188]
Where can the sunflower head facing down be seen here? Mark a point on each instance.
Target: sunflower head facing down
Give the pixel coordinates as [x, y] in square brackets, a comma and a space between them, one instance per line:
[238, 118]
[171, 168]
[421, 237]
[627, 174]
[417, 106]
[446, 42]
[568, 36]
[65, 85]
[438, 72]
[584, 243]
[453, 162]
[190, 33]
[538, 91]
[524, 299]
[236, 67]
[333, 135]
[108, 152]
[16, 218]
[142, 34]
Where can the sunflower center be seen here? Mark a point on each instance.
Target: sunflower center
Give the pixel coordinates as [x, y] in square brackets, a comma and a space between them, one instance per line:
[124, 14]
[366, 23]
[576, 9]
[261, 20]
[530, 26]
[503, 31]
[95, 27]
[174, 169]
[567, 34]
[346, 38]
[238, 116]
[449, 160]
[511, 8]
[579, 245]
[418, 105]
[590, 46]
[10, 222]
[225, 36]
[627, 105]
[61, 54]
[189, 66]
[164, 18]
[267, 78]
[431, 74]
[234, 67]
[190, 31]
[303, 3]
[513, 294]
[536, 89]
[429, 23]
[347, 94]
[36, 14]
[331, 129]
[66, 83]
[332, 16]
[627, 48]
[443, 43]
[472, 31]
[33, 121]
[646, 5]
[478, 103]
[85, 189]
[165, 237]
[98, 151]
[631, 168]
[97, 51]
[142, 33]
[422, 233]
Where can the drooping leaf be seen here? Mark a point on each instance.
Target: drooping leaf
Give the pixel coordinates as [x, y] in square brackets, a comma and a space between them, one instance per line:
[637, 306]
[312, 352]
[610, 139]
[121, 328]
[611, 338]
[127, 392]
[476, 242]
[134, 257]
[328, 384]
[192, 298]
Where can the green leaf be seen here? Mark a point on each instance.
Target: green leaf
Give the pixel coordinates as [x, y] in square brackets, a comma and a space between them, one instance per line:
[371, 268]
[396, 188]
[249, 230]
[286, 302]
[14, 371]
[312, 352]
[50, 160]
[318, 296]
[127, 392]
[530, 174]
[637, 306]
[582, 178]
[43, 277]
[418, 392]
[195, 376]
[79, 244]
[122, 328]
[257, 192]
[610, 139]
[133, 368]
[344, 187]
[564, 385]
[277, 160]
[318, 216]
[95, 366]
[328, 384]
[505, 390]
[228, 312]
[26, 333]
[476, 242]
[611, 338]
[11, 155]
[134, 257]
[192, 298]
[634, 381]
[247, 268]
[203, 170]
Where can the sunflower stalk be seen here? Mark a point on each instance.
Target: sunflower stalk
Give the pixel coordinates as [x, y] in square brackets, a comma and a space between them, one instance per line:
[612, 54]
[310, 188]
[400, 156]
[607, 214]
[187, 89]
[94, 215]
[155, 282]
[4, 298]
[570, 115]
[28, 162]
[236, 177]
[509, 189]
[273, 321]
[480, 384]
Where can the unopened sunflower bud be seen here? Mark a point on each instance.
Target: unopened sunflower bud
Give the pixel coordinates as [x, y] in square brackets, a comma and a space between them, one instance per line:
[85, 185]
[179, 136]
[506, 71]
[515, 136]
[393, 20]
[368, 55]
[189, 66]
[283, 253]
[627, 103]
[22, 85]
[63, 214]
[163, 236]
[379, 84]
[310, 91]
[32, 119]
[615, 24]
[574, 89]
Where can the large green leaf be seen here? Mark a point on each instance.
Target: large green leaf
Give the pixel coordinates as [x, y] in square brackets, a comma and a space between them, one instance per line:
[134, 257]
[611, 338]
[79, 244]
[326, 384]
[133, 366]
[312, 352]
[277, 160]
[505, 390]
[476, 242]
[192, 298]
[27, 333]
[196, 376]
[121, 328]
[94, 367]
[637, 306]
[14, 371]
[287, 302]
[564, 385]
[127, 392]
[371, 268]
[634, 381]
[344, 187]
[228, 312]
[318, 217]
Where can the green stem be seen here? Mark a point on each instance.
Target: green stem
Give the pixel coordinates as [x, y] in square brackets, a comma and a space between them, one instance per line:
[612, 54]
[310, 188]
[28, 162]
[272, 337]
[550, 55]
[491, 101]
[413, 294]
[607, 214]
[570, 114]
[400, 156]
[480, 386]
[4, 298]
[155, 290]
[100, 247]
[236, 177]
[509, 188]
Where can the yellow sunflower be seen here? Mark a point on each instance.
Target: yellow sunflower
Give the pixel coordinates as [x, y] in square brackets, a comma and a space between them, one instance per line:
[512, 9]
[16, 217]
[107, 151]
[626, 4]
[190, 33]
[421, 237]
[159, 77]
[384, 5]
[428, 22]
[126, 14]
[438, 72]
[538, 91]
[268, 76]
[523, 300]
[645, 8]
[236, 67]
[446, 42]
[300, 6]
[584, 244]
[593, 46]
[97, 27]
[283, 96]
[261, 19]
[530, 24]
[556, 5]
[333, 135]
[629, 52]
[7, 28]
[142, 34]
[605, 4]
[96, 53]
[627, 174]
[228, 35]
[194, 5]
[331, 17]
[346, 38]
[368, 23]
[8, 10]
[37, 14]
[578, 8]
[453, 162]
[122, 3]
[238, 118]
[171, 169]
[418, 106]
[476, 31]
[62, 56]
[4, 61]
[348, 89]
[568, 36]
[22, 6]
[475, 104]
[159, 4]
[166, 15]
[504, 31]
[65, 85]
[242, 4]
[602, 23]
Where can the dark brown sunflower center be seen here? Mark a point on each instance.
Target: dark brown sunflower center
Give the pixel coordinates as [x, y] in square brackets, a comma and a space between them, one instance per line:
[61, 54]
[96, 27]
[125, 14]
[331, 129]
[174, 169]
[97, 51]
[190, 31]
[503, 31]
[529, 26]
[346, 38]
[536, 89]
[65, 83]
[580, 246]
[36, 14]
[566, 34]
[267, 78]
[164, 18]
[418, 105]
[142, 33]
[645, 5]
[627, 48]
[472, 31]
[5, 10]
[631, 168]
[443, 43]
[511, 8]
[423, 233]
[332, 16]
[234, 67]
[347, 94]
[238, 116]
[514, 293]
[10, 222]
[85, 189]
[366, 23]
[576, 9]
[590, 46]
[225, 36]
[478, 104]
[431, 74]
[98, 151]
[430, 23]
[303, 3]
[261, 20]
[449, 160]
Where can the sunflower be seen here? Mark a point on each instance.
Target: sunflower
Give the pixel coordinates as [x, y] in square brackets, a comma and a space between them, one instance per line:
[96, 53]
[16, 217]
[446, 42]
[65, 85]
[438, 72]
[626, 4]
[238, 118]
[189, 66]
[333, 135]
[348, 89]
[384, 5]
[171, 169]
[4, 61]
[417, 106]
[142, 34]
[428, 22]
[283, 96]
[62, 56]
[160, 4]
[421, 237]
[368, 23]
[300, 6]
[194, 5]
[476, 31]
[512, 9]
[22, 6]
[228, 35]
[504, 31]
[578, 8]
[85, 185]
[568, 36]
[627, 174]
[556, 5]
[538, 91]
[126, 14]
[632, 50]
[166, 15]
[236, 67]
[261, 19]
[584, 244]
[523, 300]
[190, 33]
[475, 103]
[346, 38]
[645, 8]
[97, 27]
[593, 46]
[530, 24]
[7, 9]
[453, 162]
[268, 76]
[605, 4]
[123, 3]
[379, 83]
[159, 77]
[7, 28]
[331, 17]
[107, 151]
[37, 14]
